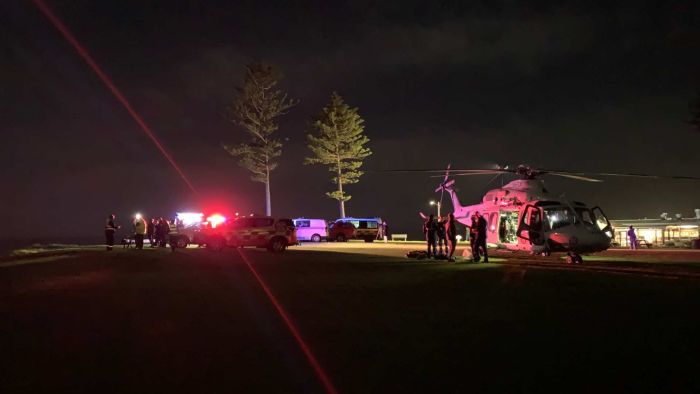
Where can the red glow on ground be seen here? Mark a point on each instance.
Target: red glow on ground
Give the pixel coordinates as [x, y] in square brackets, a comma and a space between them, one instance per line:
[108, 82]
[322, 376]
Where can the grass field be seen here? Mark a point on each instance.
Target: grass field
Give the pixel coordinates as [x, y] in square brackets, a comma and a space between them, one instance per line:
[195, 320]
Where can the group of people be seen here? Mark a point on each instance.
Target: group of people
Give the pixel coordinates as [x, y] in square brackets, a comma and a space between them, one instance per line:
[156, 231]
[442, 232]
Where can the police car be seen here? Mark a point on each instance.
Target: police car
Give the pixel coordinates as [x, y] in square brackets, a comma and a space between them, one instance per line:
[274, 234]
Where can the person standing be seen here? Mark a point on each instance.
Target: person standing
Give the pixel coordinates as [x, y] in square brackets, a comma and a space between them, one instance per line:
[441, 236]
[480, 241]
[159, 233]
[385, 231]
[451, 235]
[150, 231]
[110, 229]
[429, 230]
[139, 230]
[632, 237]
[472, 237]
[164, 228]
[174, 231]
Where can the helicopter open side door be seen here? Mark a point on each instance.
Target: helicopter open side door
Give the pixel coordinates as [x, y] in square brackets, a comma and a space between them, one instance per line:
[530, 225]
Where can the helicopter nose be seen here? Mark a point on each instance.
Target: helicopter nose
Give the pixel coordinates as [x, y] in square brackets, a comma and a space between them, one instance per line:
[603, 239]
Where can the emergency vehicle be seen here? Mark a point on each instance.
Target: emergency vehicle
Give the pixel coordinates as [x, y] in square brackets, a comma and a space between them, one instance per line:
[365, 228]
[188, 229]
[274, 234]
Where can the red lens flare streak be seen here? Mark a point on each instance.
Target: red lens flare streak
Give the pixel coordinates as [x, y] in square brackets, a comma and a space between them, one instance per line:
[108, 82]
[322, 376]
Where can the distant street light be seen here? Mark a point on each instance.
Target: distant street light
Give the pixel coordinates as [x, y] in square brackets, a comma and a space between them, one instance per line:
[438, 206]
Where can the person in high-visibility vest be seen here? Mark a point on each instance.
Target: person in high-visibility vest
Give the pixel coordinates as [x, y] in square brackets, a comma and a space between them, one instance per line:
[110, 229]
[173, 233]
[139, 230]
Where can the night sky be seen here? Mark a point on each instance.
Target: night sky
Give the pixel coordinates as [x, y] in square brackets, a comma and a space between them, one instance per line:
[580, 87]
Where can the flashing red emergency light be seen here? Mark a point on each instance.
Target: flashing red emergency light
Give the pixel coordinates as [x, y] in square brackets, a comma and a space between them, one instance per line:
[216, 220]
[190, 218]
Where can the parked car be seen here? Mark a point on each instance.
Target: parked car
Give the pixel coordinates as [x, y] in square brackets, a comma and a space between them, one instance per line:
[275, 234]
[365, 228]
[314, 230]
[341, 231]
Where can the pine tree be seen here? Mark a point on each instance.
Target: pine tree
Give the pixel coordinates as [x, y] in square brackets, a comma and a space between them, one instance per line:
[256, 108]
[338, 141]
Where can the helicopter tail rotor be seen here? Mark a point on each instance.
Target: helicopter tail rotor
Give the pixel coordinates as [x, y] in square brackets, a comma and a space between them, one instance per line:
[445, 186]
[445, 182]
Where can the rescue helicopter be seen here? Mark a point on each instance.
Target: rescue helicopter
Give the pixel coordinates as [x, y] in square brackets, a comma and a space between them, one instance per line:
[523, 215]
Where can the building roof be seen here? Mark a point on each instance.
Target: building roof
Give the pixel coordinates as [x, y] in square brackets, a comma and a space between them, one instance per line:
[657, 222]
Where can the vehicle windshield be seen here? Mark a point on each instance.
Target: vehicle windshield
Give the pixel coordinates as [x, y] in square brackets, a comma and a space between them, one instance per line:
[557, 217]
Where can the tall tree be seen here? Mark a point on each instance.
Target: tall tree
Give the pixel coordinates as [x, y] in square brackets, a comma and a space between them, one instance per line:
[338, 141]
[256, 108]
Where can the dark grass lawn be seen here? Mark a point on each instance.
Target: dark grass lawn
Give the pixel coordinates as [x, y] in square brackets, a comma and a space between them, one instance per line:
[196, 321]
[396, 325]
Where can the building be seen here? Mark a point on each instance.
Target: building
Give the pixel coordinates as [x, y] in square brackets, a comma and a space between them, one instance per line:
[669, 231]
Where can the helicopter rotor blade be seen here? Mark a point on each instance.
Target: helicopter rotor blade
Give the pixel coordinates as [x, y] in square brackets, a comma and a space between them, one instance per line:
[482, 172]
[442, 171]
[683, 177]
[624, 175]
[574, 176]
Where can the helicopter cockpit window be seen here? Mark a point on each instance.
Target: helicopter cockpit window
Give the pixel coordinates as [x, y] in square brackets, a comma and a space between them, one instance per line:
[557, 217]
[600, 220]
[586, 215]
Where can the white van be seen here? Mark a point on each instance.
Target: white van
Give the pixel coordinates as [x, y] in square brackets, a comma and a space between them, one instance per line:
[313, 230]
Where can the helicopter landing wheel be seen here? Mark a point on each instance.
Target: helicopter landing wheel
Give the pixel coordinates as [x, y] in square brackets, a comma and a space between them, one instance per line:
[574, 258]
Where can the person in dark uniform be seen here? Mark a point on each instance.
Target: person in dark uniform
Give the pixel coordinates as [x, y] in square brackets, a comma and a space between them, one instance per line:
[441, 236]
[163, 230]
[472, 234]
[480, 241]
[110, 229]
[451, 235]
[430, 232]
[151, 231]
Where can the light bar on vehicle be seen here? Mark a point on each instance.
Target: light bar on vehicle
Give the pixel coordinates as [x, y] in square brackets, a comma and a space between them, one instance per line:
[190, 218]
